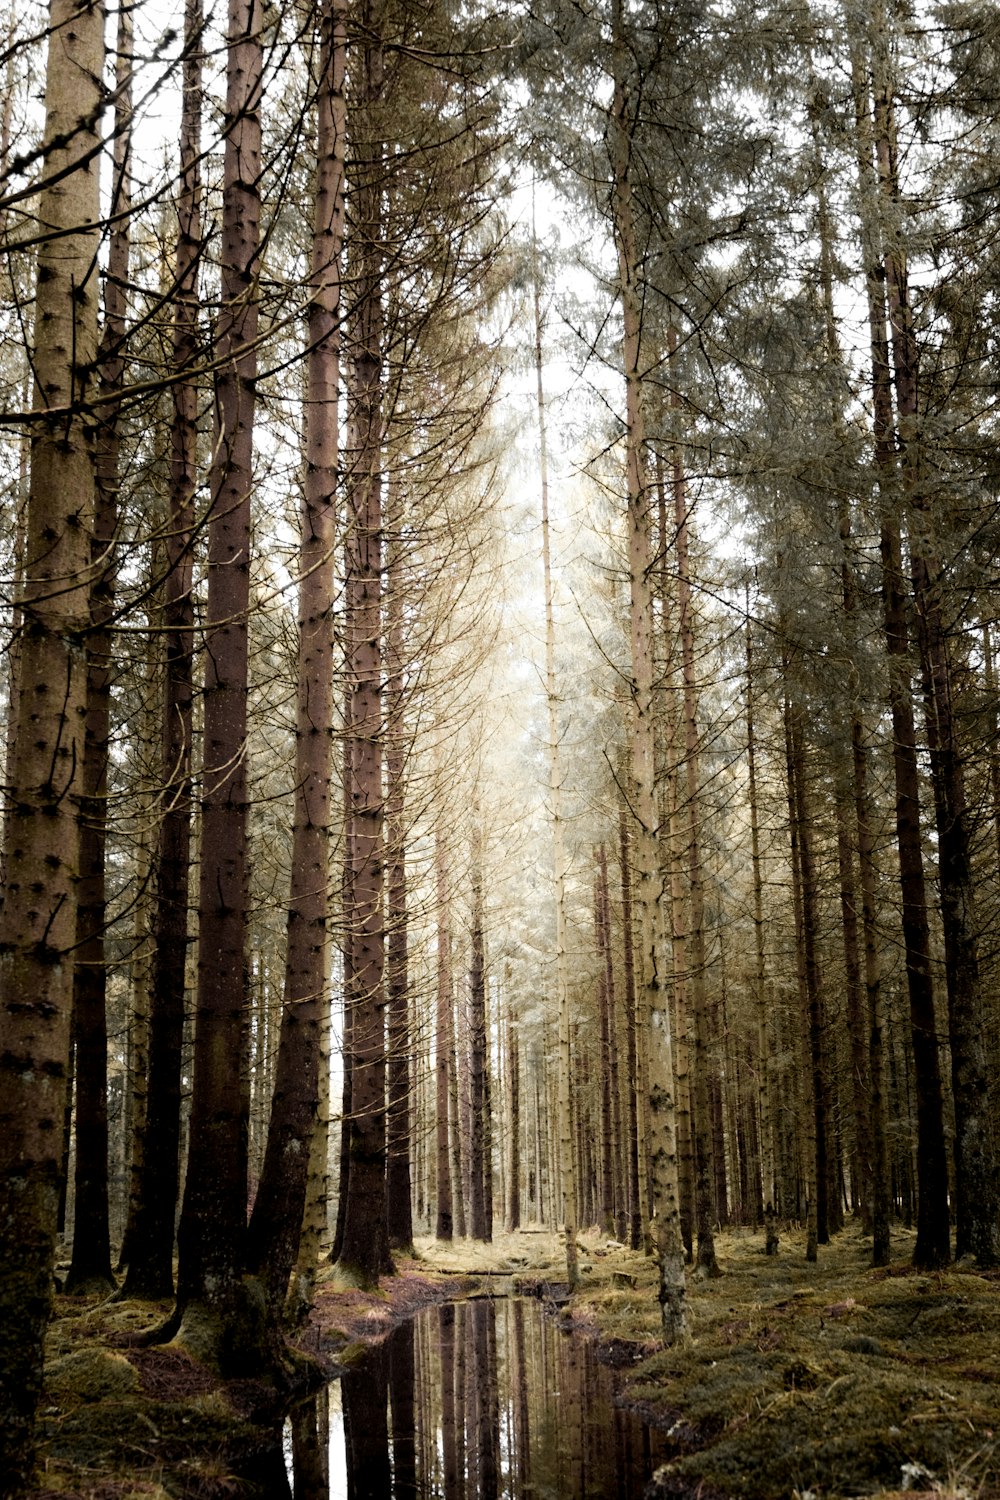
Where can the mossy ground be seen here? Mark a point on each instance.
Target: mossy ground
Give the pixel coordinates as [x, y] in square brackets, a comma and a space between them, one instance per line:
[826, 1380]
[798, 1380]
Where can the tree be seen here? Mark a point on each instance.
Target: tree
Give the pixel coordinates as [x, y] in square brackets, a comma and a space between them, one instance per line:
[38, 920]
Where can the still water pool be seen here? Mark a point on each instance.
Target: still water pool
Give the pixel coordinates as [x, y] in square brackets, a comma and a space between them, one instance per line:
[477, 1400]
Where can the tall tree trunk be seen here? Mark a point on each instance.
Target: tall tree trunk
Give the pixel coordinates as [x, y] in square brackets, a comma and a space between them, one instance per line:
[364, 1254]
[768, 1171]
[399, 1214]
[211, 1302]
[977, 1194]
[150, 1271]
[559, 867]
[443, 1048]
[614, 1071]
[514, 1122]
[276, 1222]
[933, 1240]
[668, 1244]
[704, 1152]
[90, 1267]
[631, 1045]
[38, 919]
[479, 1227]
[809, 1145]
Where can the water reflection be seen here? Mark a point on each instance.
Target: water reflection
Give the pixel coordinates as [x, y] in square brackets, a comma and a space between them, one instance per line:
[473, 1401]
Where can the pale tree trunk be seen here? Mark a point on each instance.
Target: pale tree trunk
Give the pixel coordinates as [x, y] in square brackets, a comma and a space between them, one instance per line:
[38, 920]
[514, 1122]
[276, 1222]
[364, 1253]
[673, 855]
[444, 1229]
[151, 1234]
[767, 1153]
[211, 1298]
[90, 1267]
[933, 1239]
[704, 1153]
[667, 1240]
[567, 1159]
[631, 1042]
[398, 1135]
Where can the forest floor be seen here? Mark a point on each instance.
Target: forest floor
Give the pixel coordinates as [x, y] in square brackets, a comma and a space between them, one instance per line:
[798, 1382]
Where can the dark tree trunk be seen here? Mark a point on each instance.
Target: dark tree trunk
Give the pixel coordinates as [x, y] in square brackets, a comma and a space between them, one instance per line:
[275, 1225]
[364, 1253]
[211, 1298]
[150, 1235]
[479, 1227]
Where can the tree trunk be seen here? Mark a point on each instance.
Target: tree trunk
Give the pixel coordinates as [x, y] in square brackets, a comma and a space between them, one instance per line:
[364, 1253]
[90, 1267]
[212, 1309]
[443, 1049]
[631, 1046]
[704, 1151]
[38, 920]
[150, 1271]
[399, 1215]
[276, 1222]
[559, 868]
[662, 1126]
[479, 1228]
[768, 1170]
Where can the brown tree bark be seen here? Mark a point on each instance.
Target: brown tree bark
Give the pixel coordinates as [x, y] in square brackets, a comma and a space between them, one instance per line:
[702, 1132]
[276, 1221]
[479, 1228]
[364, 1253]
[662, 1133]
[933, 1239]
[90, 1266]
[625, 875]
[38, 919]
[399, 1214]
[212, 1310]
[150, 1237]
[767, 1126]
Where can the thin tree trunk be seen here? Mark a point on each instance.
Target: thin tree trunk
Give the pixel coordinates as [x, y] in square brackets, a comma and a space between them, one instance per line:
[399, 1216]
[625, 873]
[704, 1151]
[559, 866]
[443, 1049]
[768, 1172]
[478, 1062]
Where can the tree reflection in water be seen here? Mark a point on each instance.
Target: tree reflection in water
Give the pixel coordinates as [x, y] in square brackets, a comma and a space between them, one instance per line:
[473, 1401]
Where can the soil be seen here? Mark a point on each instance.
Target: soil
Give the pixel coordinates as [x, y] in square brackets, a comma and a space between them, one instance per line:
[797, 1382]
